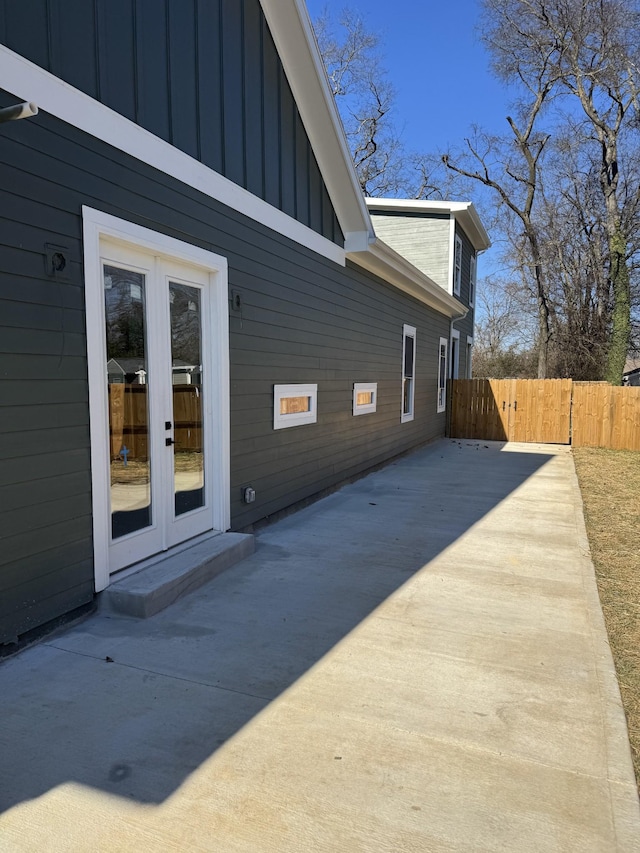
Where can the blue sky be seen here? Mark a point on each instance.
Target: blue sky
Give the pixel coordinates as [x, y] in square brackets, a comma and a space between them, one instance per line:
[437, 65]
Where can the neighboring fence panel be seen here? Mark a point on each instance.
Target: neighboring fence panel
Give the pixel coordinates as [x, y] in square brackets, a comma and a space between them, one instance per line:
[549, 411]
[606, 416]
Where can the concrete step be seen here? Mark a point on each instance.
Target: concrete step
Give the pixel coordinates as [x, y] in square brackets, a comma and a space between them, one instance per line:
[160, 581]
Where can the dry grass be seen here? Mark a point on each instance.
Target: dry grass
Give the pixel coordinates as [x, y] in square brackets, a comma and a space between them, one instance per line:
[610, 485]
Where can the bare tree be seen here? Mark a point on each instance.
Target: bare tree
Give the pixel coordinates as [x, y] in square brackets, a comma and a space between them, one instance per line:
[591, 48]
[365, 99]
[503, 339]
[571, 219]
[511, 169]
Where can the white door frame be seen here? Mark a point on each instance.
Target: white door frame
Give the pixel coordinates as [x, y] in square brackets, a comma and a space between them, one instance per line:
[97, 225]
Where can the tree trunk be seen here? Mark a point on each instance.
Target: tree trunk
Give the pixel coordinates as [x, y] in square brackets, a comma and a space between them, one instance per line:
[621, 312]
[544, 312]
[543, 347]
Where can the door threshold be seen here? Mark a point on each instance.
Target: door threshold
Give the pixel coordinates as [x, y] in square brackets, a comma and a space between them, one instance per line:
[150, 586]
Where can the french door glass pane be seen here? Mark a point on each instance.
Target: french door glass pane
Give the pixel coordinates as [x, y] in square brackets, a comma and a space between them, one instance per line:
[186, 367]
[127, 382]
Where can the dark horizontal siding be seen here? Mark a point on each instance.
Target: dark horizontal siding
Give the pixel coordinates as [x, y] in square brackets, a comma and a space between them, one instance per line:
[361, 342]
[203, 75]
[303, 319]
[25, 598]
[48, 564]
[27, 607]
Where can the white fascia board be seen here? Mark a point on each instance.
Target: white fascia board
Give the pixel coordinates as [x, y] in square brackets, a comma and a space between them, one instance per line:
[464, 212]
[297, 47]
[474, 229]
[452, 253]
[381, 260]
[30, 82]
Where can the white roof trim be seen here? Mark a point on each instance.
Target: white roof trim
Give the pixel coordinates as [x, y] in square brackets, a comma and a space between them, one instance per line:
[296, 43]
[463, 211]
[383, 261]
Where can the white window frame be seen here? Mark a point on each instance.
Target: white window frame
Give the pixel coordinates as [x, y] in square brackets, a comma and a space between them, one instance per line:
[469, 356]
[472, 280]
[457, 265]
[365, 408]
[443, 348]
[408, 332]
[281, 392]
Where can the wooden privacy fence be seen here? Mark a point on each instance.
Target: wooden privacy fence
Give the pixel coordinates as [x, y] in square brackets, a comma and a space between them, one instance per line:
[128, 424]
[553, 411]
[605, 416]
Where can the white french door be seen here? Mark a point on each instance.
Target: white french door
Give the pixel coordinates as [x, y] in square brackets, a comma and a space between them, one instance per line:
[157, 428]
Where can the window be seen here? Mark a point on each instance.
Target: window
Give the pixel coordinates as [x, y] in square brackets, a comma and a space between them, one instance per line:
[457, 266]
[469, 357]
[294, 405]
[472, 280]
[442, 376]
[365, 397]
[408, 372]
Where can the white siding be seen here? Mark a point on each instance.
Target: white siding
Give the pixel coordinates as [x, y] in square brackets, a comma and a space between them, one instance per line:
[424, 242]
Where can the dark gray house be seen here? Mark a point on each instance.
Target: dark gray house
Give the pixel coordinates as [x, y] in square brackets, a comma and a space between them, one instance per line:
[198, 325]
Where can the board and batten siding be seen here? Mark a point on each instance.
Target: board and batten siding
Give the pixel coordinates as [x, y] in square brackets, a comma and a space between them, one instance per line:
[422, 240]
[203, 75]
[302, 319]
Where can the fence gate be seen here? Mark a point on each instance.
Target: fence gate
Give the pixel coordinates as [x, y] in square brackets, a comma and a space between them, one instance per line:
[533, 410]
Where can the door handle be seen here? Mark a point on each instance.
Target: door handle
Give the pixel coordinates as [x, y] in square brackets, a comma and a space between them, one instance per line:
[169, 441]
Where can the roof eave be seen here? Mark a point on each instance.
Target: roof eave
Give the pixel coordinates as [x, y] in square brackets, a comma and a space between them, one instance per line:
[381, 260]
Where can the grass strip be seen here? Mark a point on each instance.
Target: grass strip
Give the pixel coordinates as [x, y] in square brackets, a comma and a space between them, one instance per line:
[610, 485]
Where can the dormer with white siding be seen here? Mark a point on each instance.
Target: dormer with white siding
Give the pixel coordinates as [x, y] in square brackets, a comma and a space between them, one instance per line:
[425, 233]
[442, 239]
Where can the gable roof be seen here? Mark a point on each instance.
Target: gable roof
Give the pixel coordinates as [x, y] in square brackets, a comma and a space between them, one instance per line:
[463, 212]
[295, 40]
[292, 33]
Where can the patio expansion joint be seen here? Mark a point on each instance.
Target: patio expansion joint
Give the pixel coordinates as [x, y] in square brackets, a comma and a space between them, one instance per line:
[161, 674]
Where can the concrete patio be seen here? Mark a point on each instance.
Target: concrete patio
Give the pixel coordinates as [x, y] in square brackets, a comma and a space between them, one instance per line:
[417, 662]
